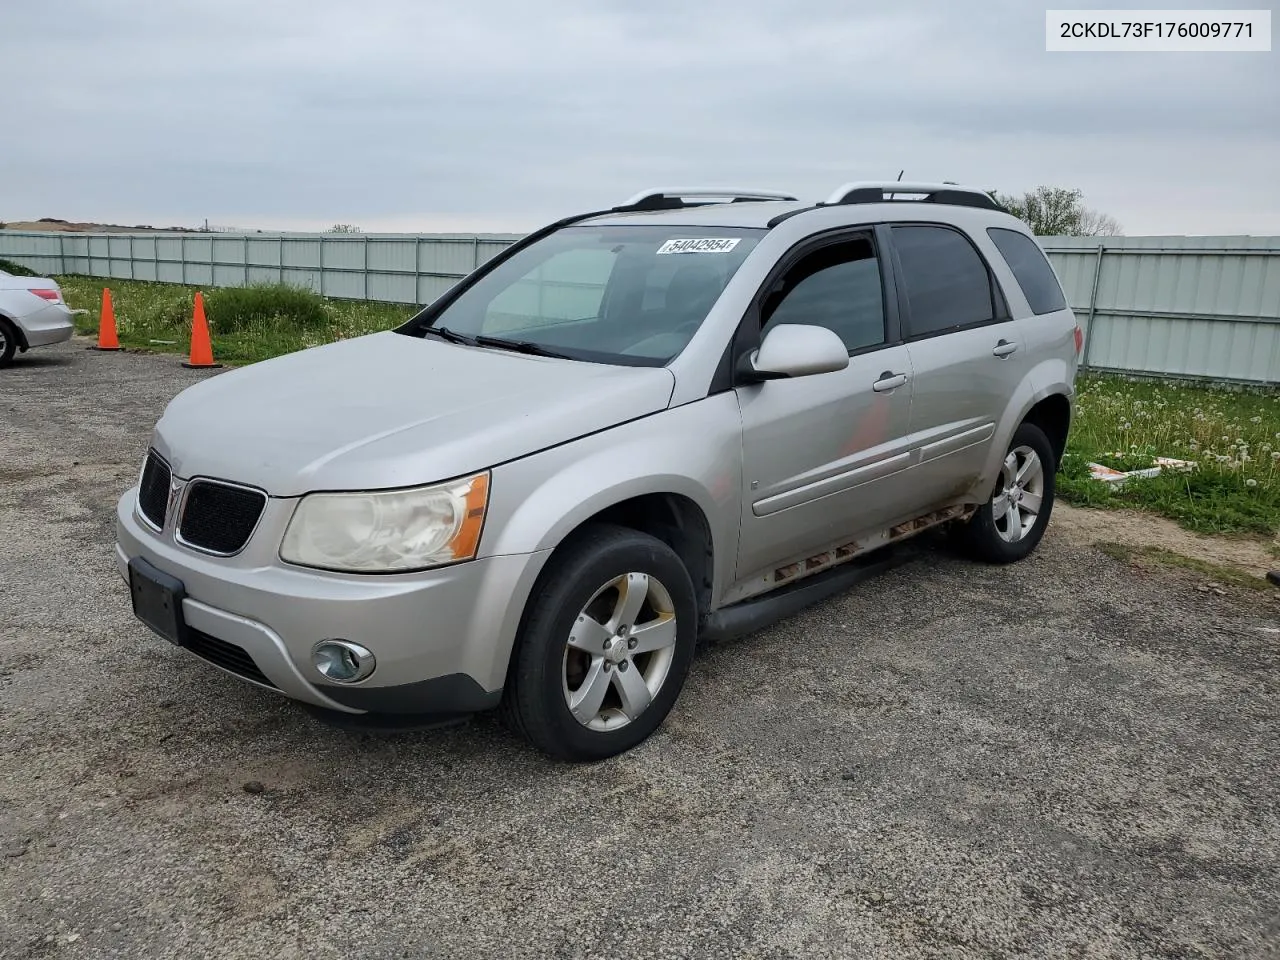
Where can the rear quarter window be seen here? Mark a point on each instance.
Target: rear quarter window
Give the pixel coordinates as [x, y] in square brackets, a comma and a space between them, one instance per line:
[1031, 269]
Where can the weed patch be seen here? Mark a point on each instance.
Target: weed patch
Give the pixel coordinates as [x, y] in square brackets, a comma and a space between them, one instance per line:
[1232, 436]
[247, 324]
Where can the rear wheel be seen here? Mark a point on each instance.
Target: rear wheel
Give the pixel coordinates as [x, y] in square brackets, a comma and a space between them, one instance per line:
[1009, 526]
[605, 646]
[8, 342]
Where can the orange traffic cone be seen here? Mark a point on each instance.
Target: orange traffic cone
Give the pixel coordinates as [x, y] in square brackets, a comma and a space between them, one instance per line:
[201, 348]
[107, 339]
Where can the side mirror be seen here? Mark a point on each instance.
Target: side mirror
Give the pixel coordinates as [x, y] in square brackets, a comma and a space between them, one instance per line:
[796, 350]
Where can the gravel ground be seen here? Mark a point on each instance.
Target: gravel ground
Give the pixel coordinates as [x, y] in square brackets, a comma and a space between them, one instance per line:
[1063, 758]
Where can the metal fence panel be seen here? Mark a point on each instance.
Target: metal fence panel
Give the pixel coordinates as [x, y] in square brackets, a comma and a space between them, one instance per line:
[346, 284]
[345, 254]
[169, 248]
[395, 256]
[262, 274]
[170, 272]
[300, 253]
[447, 256]
[229, 250]
[228, 275]
[394, 288]
[199, 272]
[1203, 307]
[263, 253]
[301, 278]
[1180, 306]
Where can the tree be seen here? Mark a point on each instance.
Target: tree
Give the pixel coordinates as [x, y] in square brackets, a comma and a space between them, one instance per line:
[1094, 223]
[343, 228]
[1058, 211]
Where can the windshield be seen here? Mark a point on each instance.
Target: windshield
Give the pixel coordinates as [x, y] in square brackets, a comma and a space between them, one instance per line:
[630, 295]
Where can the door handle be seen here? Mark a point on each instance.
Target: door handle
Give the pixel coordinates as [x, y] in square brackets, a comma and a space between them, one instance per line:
[889, 381]
[1003, 348]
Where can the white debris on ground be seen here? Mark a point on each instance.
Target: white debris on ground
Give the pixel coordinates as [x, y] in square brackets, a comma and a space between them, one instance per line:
[1118, 478]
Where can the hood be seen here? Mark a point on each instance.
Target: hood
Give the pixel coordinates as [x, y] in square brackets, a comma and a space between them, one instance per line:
[388, 410]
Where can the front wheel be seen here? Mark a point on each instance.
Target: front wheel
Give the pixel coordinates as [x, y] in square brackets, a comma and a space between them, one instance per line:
[605, 645]
[1009, 526]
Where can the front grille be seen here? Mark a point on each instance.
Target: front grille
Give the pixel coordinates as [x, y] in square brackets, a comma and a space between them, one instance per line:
[220, 518]
[153, 493]
[225, 655]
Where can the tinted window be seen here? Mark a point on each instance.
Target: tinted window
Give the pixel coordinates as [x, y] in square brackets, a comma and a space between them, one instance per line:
[837, 287]
[609, 294]
[1031, 268]
[947, 283]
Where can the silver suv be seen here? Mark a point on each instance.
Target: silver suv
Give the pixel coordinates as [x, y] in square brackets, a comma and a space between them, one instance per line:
[682, 417]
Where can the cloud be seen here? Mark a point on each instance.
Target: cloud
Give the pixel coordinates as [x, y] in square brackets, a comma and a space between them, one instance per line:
[497, 114]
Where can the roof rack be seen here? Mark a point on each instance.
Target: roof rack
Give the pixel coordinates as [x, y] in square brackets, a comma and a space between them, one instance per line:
[676, 199]
[879, 191]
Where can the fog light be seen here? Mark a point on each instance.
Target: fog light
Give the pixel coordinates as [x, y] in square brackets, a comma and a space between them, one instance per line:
[342, 661]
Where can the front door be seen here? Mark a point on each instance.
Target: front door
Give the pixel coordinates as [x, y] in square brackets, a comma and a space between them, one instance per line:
[821, 454]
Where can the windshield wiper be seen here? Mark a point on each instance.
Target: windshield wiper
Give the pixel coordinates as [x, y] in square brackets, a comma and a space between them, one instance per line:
[444, 333]
[520, 346]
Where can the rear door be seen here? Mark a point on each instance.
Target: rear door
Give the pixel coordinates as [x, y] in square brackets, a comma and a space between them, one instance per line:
[966, 350]
[822, 454]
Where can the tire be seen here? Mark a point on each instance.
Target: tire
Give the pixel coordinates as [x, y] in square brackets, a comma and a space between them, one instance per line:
[987, 536]
[8, 342]
[606, 593]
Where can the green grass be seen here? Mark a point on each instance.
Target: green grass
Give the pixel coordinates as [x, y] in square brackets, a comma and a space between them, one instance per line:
[1233, 436]
[246, 324]
[16, 269]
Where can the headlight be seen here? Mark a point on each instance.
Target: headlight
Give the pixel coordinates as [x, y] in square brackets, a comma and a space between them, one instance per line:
[389, 532]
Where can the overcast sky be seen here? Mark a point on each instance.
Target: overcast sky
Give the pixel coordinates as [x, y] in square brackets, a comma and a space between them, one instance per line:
[418, 115]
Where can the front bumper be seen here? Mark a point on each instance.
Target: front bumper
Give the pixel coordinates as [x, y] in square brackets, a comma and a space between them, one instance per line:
[442, 638]
[47, 325]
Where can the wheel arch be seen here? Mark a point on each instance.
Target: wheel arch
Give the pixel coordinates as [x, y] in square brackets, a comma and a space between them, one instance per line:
[673, 518]
[1052, 414]
[19, 335]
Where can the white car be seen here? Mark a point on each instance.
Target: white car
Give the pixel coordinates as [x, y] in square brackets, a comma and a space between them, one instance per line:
[32, 314]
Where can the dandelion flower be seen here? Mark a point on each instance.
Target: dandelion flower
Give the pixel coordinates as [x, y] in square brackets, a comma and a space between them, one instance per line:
[1255, 419]
[1251, 482]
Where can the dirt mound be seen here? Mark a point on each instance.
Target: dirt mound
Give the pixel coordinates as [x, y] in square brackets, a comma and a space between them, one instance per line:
[69, 226]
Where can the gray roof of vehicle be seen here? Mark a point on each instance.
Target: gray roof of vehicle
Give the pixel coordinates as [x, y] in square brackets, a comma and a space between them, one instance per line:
[758, 215]
[708, 215]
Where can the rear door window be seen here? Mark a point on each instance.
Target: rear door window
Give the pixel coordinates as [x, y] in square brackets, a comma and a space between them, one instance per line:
[1031, 269]
[947, 282]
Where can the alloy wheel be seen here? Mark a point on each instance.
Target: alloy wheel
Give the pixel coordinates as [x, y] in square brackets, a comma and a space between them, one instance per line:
[1019, 494]
[619, 651]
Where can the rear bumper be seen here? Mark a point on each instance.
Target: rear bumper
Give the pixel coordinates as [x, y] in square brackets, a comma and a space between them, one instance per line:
[51, 324]
[442, 638]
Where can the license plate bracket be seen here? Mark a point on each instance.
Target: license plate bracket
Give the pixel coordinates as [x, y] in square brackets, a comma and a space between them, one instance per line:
[157, 600]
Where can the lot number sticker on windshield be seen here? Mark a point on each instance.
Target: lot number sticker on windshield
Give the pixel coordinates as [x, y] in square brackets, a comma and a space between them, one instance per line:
[708, 245]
